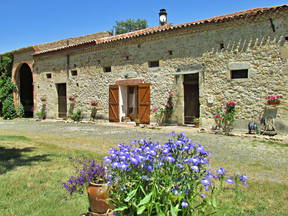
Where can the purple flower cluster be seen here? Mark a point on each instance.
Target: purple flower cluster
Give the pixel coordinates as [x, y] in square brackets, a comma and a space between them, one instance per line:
[145, 156]
[175, 171]
[87, 170]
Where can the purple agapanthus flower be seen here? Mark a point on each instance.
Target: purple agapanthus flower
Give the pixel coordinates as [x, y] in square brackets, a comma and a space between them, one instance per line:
[230, 180]
[221, 171]
[184, 204]
[195, 168]
[243, 179]
[170, 159]
[206, 181]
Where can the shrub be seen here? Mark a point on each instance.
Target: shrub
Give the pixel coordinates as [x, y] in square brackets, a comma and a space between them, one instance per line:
[163, 114]
[224, 118]
[20, 111]
[77, 116]
[42, 113]
[8, 109]
[149, 178]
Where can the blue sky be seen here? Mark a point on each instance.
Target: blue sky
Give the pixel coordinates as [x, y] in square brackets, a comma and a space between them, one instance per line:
[29, 22]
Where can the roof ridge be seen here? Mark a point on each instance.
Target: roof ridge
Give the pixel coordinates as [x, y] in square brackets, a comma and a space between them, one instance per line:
[167, 27]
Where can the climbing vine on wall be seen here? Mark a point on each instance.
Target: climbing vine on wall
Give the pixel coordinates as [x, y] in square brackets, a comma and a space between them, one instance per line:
[7, 87]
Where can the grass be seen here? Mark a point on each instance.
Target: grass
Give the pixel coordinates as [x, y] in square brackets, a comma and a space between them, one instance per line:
[30, 176]
[33, 166]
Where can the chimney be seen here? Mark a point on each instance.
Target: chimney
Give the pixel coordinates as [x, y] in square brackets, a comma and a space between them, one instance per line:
[163, 17]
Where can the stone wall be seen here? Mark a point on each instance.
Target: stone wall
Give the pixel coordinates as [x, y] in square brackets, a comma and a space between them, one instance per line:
[249, 44]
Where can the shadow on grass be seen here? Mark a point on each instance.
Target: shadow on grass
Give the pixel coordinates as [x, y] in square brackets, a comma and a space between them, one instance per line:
[11, 158]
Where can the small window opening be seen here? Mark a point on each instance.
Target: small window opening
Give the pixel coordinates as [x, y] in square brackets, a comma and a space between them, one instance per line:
[74, 73]
[286, 39]
[127, 57]
[107, 69]
[48, 75]
[221, 46]
[139, 45]
[170, 52]
[239, 74]
[153, 63]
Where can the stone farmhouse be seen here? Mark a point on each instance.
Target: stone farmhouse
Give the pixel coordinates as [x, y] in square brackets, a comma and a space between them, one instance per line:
[240, 56]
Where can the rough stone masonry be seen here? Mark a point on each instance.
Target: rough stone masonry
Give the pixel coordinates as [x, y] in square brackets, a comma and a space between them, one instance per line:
[240, 56]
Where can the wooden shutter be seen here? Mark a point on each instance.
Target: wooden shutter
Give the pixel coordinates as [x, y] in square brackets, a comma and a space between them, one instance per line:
[144, 103]
[114, 103]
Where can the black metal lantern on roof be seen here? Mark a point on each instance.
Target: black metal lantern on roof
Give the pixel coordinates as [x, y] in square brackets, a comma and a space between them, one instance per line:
[163, 17]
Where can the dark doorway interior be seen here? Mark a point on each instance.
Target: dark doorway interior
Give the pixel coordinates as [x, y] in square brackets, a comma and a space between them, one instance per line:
[191, 97]
[62, 100]
[26, 90]
[132, 102]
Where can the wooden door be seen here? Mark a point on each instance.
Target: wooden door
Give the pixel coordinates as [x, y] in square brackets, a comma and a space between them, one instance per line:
[191, 98]
[62, 100]
[114, 103]
[144, 103]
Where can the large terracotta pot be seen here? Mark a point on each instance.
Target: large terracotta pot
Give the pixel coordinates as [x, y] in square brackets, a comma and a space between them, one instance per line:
[197, 124]
[97, 195]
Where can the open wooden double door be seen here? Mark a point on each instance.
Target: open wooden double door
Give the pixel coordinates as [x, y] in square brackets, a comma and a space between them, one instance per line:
[140, 93]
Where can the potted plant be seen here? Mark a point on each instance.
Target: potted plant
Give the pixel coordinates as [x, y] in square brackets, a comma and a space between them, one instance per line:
[90, 175]
[273, 100]
[137, 121]
[196, 122]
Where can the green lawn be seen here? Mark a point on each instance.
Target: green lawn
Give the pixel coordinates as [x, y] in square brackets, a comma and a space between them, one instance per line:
[32, 169]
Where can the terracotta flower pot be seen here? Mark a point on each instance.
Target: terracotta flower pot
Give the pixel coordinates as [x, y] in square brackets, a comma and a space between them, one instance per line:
[97, 195]
[197, 124]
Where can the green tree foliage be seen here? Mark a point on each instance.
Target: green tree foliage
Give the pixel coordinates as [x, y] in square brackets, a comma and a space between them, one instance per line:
[7, 87]
[130, 25]
[8, 108]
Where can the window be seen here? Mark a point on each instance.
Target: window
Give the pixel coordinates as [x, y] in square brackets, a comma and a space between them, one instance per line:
[221, 46]
[239, 74]
[286, 39]
[74, 73]
[107, 69]
[170, 52]
[48, 75]
[153, 63]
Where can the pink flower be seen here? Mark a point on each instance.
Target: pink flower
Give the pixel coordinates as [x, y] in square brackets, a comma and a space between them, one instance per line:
[167, 105]
[155, 110]
[217, 116]
[171, 94]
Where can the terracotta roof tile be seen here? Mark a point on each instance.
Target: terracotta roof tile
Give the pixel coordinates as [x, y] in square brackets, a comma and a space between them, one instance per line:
[168, 27]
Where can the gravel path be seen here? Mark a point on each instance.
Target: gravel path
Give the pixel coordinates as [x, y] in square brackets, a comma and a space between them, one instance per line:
[261, 160]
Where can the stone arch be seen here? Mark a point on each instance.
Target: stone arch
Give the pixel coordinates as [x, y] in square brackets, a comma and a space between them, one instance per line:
[24, 82]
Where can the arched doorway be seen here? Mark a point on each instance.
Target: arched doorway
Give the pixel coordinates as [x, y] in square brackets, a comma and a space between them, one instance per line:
[26, 90]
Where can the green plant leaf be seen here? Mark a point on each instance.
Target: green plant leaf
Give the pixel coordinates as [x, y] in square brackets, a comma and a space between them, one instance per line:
[141, 210]
[174, 210]
[145, 200]
[213, 202]
[121, 208]
[159, 211]
[130, 195]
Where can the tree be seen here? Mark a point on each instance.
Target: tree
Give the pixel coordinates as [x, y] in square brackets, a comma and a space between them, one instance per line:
[129, 25]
